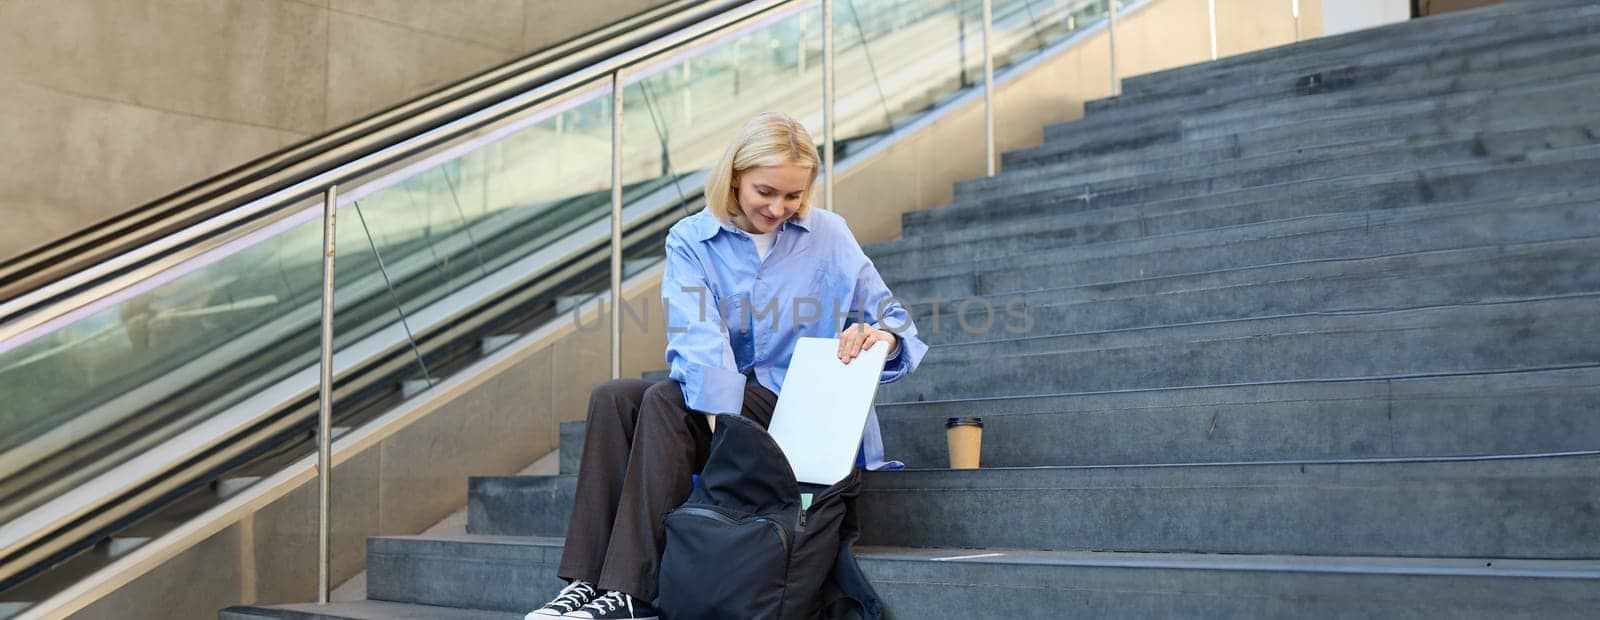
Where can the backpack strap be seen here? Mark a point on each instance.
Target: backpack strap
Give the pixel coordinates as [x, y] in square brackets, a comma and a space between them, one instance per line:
[856, 593]
[846, 608]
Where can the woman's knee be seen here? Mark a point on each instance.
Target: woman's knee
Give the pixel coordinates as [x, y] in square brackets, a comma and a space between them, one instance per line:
[663, 401]
[617, 396]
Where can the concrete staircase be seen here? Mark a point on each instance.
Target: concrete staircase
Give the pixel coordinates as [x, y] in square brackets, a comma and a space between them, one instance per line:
[1310, 332]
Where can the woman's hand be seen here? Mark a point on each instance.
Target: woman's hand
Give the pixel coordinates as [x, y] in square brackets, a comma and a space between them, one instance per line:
[860, 337]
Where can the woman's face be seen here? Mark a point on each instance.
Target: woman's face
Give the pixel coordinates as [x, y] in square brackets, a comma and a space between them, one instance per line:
[769, 195]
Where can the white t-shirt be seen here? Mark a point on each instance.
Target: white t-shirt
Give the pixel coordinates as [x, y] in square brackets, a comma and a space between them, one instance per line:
[764, 243]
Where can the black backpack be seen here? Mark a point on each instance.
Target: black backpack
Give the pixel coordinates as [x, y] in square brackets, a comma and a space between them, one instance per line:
[741, 548]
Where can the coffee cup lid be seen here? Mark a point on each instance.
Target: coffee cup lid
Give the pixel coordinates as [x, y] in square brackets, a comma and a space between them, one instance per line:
[964, 421]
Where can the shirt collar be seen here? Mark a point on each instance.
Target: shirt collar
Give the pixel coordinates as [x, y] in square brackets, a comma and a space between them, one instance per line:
[706, 225]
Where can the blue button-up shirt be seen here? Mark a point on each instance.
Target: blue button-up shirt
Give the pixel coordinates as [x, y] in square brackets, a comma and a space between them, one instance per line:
[732, 315]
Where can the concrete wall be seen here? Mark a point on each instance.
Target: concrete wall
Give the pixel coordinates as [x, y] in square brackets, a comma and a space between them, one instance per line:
[495, 420]
[108, 104]
[1435, 7]
[1341, 16]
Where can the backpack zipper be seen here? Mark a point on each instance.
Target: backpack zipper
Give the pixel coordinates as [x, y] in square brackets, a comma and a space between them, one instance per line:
[816, 500]
[722, 517]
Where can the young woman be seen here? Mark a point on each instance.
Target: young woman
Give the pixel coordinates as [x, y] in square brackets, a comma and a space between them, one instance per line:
[745, 278]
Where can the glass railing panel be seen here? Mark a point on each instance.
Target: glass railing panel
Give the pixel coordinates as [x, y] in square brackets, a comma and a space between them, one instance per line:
[508, 229]
[503, 205]
[657, 193]
[1055, 20]
[680, 112]
[537, 179]
[191, 343]
[895, 61]
[899, 59]
[917, 54]
[421, 229]
[704, 95]
[1024, 27]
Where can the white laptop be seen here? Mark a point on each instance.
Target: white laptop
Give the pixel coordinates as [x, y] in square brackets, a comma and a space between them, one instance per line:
[822, 410]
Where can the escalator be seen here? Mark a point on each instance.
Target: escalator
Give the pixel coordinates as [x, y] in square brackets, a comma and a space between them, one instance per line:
[160, 362]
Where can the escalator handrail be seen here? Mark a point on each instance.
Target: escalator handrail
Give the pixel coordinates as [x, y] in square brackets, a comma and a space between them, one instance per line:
[55, 279]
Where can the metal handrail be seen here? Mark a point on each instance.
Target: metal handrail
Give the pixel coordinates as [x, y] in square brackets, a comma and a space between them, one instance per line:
[50, 281]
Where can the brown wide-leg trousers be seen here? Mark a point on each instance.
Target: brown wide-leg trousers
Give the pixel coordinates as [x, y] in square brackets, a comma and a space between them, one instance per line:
[641, 446]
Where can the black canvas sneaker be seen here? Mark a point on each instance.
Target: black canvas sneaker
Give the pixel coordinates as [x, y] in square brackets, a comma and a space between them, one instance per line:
[615, 606]
[570, 599]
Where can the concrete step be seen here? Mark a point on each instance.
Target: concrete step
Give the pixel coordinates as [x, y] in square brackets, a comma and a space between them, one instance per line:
[1544, 152]
[1561, 103]
[1437, 36]
[228, 487]
[1271, 179]
[1411, 279]
[1314, 158]
[1508, 508]
[500, 573]
[1482, 337]
[1493, 508]
[412, 387]
[1543, 62]
[1319, 98]
[1310, 162]
[632, 267]
[1077, 232]
[571, 447]
[118, 546]
[1451, 415]
[1150, 139]
[490, 344]
[1009, 583]
[514, 574]
[1077, 223]
[361, 610]
[1335, 236]
[520, 505]
[1563, 41]
[566, 303]
[1519, 412]
[1438, 28]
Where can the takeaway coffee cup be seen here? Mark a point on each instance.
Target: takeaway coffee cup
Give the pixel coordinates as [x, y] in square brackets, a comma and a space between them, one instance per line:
[965, 436]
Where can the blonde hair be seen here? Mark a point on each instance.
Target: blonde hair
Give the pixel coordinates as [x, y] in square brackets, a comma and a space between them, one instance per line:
[770, 139]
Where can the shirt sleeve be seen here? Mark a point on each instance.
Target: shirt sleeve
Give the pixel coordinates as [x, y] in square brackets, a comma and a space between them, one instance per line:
[699, 355]
[883, 310]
